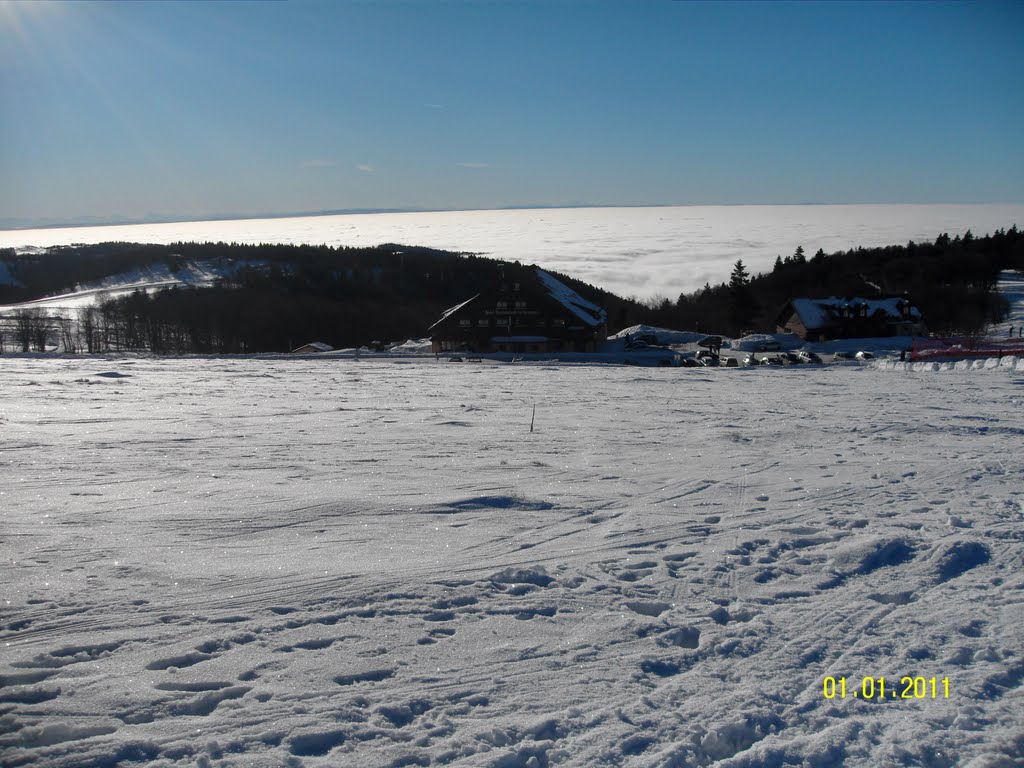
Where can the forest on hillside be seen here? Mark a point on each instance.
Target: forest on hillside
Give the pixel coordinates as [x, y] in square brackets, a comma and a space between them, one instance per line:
[272, 298]
[951, 280]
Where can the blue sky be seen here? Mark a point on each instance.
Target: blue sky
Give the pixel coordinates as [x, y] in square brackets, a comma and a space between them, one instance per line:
[206, 108]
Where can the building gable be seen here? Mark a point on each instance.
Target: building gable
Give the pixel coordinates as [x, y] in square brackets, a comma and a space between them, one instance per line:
[527, 310]
[833, 317]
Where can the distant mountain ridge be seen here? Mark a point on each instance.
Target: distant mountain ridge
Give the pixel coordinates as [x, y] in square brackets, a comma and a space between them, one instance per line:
[115, 220]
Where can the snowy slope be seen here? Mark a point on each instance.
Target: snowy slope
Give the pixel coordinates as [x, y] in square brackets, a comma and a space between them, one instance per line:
[337, 563]
[1011, 287]
[152, 278]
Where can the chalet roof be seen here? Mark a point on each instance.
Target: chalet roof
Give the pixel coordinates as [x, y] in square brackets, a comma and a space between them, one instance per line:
[587, 311]
[319, 346]
[821, 313]
[453, 310]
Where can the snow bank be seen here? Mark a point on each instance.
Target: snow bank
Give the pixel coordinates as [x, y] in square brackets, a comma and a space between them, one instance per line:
[664, 336]
[1008, 363]
[412, 347]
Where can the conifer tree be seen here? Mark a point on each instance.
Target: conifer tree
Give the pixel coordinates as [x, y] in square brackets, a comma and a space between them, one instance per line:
[743, 306]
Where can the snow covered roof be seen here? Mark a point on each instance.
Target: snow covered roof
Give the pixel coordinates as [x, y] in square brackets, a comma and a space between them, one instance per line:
[314, 346]
[818, 313]
[453, 310]
[587, 311]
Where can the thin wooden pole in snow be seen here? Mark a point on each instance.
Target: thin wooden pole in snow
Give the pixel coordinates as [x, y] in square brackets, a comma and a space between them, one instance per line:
[533, 418]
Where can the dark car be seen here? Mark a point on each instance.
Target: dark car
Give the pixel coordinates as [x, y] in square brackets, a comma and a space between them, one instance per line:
[790, 358]
[808, 357]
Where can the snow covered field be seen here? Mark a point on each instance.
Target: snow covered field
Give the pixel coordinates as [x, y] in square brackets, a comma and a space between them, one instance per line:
[342, 563]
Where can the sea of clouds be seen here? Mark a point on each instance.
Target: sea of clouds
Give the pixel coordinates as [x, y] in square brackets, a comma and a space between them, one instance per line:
[643, 252]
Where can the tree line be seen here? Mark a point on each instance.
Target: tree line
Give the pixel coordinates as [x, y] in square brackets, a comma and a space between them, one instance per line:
[273, 298]
[951, 280]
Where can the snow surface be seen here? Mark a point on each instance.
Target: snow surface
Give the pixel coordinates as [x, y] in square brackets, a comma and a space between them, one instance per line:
[329, 562]
[1011, 286]
[646, 252]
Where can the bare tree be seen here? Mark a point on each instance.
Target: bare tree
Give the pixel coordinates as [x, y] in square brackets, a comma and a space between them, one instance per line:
[23, 327]
[88, 327]
[66, 326]
[40, 330]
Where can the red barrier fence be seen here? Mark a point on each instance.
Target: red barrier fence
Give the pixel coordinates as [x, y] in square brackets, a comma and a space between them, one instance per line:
[965, 347]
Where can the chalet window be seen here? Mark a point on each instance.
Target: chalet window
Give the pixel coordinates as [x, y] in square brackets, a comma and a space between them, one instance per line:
[483, 322]
[558, 322]
[520, 305]
[464, 322]
[499, 321]
[515, 286]
[522, 321]
[502, 305]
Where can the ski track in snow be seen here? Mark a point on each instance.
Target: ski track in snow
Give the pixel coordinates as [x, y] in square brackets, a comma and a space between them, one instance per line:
[273, 562]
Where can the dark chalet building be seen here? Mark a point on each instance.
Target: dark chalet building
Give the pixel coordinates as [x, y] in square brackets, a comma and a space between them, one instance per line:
[527, 311]
[834, 318]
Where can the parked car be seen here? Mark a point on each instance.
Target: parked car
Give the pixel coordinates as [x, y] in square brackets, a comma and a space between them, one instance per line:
[707, 358]
[809, 357]
[771, 360]
[790, 358]
[750, 359]
[842, 356]
[769, 346]
[864, 355]
[729, 362]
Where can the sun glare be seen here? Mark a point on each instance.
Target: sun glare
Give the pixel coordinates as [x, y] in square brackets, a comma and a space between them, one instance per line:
[19, 16]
